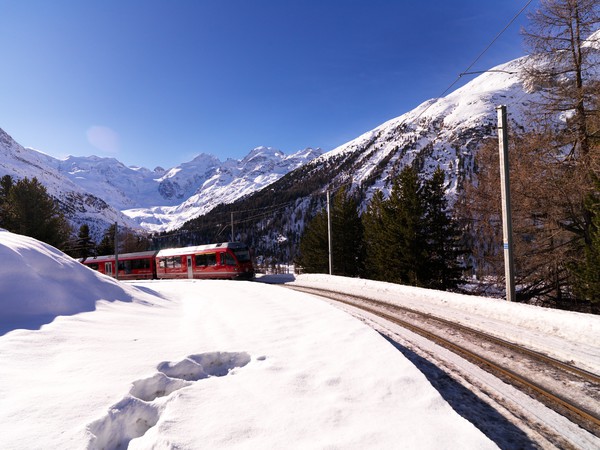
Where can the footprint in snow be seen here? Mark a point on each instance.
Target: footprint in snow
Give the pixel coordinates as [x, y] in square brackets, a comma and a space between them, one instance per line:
[140, 410]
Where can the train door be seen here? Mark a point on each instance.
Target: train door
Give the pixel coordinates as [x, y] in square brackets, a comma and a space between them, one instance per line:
[108, 269]
[190, 271]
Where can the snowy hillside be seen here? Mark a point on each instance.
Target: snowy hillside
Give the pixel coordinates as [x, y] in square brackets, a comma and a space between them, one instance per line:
[443, 132]
[142, 364]
[80, 205]
[143, 367]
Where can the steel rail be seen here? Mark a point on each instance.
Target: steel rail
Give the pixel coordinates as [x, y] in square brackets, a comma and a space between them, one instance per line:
[581, 412]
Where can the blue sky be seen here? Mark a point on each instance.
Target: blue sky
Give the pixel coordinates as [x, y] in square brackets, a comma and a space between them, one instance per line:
[155, 82]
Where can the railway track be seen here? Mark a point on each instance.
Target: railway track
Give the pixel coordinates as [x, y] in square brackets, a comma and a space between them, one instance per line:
[557, 384]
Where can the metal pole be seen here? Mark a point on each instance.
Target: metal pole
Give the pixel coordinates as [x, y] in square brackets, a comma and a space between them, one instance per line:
[232, 238]
[116, 250]
[509, 271]
[329, 234]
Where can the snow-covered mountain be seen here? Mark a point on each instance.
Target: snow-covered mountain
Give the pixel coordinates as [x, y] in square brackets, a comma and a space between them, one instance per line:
[120, 186]
[100, 191]
[162, 200]
[216, 183]
[80, 205]
[443, 132]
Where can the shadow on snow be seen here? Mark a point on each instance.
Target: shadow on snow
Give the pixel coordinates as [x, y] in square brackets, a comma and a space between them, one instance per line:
[489, 421]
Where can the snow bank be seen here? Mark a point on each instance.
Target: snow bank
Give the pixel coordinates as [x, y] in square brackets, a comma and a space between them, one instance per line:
[39, 283]
[205, 364]
[567, 335]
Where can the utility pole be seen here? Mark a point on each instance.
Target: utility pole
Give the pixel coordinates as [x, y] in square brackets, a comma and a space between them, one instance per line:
[116, 250]
[329, 234]
[232, 238]
[509, 271]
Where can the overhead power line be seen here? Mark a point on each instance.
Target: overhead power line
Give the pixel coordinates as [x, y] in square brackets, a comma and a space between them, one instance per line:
[269, 210]
[466, 71]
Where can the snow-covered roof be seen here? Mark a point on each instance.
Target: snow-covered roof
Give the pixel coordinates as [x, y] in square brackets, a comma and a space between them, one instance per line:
[197, 249]
[122, 256]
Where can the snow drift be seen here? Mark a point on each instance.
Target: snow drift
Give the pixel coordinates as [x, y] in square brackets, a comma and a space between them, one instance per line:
[39, 283]
[206, 364]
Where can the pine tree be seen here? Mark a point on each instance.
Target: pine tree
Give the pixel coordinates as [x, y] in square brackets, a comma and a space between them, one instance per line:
[6, 184]
[403, 229]
[410, 238]
[347, 230]
[347, 239]
[314, 247]
[34, 213]
[442, 237]
[84, 245]
[107, 244]
[376, 248]
[395, 249]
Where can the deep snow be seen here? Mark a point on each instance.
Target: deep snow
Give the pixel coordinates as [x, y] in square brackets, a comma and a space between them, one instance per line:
[215, 364]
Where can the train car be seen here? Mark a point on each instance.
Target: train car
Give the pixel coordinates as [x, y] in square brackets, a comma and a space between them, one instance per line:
[132, 266]
[228, 260]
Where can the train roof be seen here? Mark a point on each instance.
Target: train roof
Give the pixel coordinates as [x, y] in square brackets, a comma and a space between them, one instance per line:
[122, 257]
[199, 249]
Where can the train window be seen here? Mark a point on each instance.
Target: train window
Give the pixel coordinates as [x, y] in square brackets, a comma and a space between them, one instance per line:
[227, 259]
[93, 266]
[206, 259]
[172, 262]
[140, 264]
[125, 265]
[242, 254]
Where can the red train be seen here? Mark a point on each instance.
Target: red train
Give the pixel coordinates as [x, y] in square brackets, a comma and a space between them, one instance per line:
[228, 260]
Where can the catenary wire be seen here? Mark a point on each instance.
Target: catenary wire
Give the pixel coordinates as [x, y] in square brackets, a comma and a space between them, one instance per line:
[476, 59]
[465, 72]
